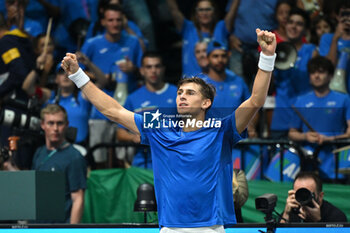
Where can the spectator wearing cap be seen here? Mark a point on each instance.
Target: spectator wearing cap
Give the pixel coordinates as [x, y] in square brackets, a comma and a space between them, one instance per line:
[231, 91]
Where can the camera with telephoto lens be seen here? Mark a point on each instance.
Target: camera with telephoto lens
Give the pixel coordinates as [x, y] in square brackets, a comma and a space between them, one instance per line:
[16, 113]
[21, 117]
[304, 197]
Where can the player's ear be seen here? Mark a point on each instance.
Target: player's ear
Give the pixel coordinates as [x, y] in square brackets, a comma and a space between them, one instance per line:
[206, 103]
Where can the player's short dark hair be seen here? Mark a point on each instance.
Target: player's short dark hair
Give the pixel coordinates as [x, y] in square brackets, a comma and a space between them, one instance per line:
[311, 175]
[151, 54]
[207, 90]
[320, 63]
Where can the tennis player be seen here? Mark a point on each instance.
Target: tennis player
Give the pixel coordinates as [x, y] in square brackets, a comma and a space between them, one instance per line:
[189, 152]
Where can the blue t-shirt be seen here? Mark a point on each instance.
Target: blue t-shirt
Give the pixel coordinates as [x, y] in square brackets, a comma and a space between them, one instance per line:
[105, 55]
[230, 93]
[131, 25]
[78, 112]
[36, 11]
[252, 14]
[186, 167]
[327, 115]
[31, 27]
[67, 160]
[72, 10]
[190, 37]
[325, 45]
[290, 84]
[2, 7]
[142, 100]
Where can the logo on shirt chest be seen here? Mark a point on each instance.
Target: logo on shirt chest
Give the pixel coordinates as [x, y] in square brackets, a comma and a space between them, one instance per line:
[309, 105]
[125, 49]
[104, 50]
[145, 104]
[331, 103]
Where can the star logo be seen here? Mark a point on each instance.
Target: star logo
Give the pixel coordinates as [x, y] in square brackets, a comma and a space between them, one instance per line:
[156, 115]
[152, 120]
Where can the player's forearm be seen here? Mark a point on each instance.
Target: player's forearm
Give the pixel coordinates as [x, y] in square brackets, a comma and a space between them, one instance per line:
[103, 102]
[260, 88]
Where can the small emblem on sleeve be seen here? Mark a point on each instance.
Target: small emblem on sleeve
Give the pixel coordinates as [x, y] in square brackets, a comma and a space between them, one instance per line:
[10, 55]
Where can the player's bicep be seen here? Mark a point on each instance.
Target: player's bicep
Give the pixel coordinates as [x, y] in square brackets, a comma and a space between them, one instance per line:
[244, 113]
[126, 118]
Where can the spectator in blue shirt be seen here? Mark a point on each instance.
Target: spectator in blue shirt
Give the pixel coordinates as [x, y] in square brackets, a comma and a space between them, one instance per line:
[155, 94]
[203, 25]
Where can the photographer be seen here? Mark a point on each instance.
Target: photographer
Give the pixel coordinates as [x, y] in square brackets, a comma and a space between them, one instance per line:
[322, 211]
[59, 155]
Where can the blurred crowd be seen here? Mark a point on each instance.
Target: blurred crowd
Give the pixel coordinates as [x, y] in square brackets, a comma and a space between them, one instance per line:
[137, 50]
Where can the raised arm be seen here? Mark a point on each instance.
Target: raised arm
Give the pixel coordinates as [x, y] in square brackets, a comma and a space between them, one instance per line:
[100, 77]
[246, 111]
[103, 102]
[175, 12]
[231, 14]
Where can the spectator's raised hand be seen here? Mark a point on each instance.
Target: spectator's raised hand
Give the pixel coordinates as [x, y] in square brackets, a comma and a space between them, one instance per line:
[126, 66]
[235, 43]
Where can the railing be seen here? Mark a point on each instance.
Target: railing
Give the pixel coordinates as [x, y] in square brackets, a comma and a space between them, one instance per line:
[305, 158]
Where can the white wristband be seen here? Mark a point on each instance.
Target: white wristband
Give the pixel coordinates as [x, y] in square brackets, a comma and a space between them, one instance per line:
[266, 63]
[79, 78]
